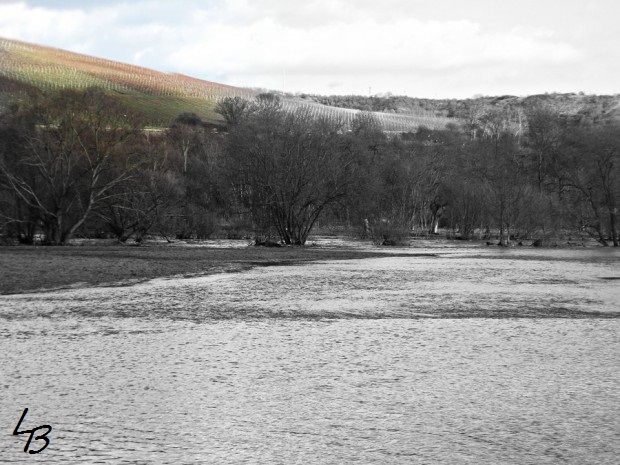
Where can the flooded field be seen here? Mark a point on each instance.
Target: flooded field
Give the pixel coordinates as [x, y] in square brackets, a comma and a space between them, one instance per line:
[443, 355]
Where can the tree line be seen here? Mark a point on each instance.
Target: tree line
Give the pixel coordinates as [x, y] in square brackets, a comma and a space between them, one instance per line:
[78, 163]
[580, 103]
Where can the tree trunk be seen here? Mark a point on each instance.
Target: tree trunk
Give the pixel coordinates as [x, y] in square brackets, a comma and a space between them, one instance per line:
[612, 227]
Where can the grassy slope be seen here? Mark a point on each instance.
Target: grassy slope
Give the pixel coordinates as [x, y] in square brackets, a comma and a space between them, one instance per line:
[159, 96]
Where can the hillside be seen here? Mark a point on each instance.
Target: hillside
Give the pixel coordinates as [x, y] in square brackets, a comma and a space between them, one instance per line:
[160, 97]
[578, 104]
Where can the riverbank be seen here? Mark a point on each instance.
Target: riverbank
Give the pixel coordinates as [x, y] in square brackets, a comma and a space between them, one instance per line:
[28, 268]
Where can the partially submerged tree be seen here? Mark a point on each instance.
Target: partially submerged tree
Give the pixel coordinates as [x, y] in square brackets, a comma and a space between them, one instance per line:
[135, 204]
[69, 146]
[17, 219]
[286, 169]
[590, 167]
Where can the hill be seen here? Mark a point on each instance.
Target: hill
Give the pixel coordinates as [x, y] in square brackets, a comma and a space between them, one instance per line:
[160, 97]
[575, 104]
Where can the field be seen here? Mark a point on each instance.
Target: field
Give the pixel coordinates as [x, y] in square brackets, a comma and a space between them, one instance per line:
[160, 97]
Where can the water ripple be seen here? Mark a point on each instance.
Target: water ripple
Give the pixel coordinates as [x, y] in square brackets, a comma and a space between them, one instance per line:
[222, 369]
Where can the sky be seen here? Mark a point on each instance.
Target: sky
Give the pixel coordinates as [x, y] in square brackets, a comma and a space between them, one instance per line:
[427, 49]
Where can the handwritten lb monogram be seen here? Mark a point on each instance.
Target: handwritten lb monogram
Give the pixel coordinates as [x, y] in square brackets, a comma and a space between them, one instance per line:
[32, 432]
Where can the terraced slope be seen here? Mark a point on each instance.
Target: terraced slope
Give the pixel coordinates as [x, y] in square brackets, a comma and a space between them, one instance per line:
[159, 96]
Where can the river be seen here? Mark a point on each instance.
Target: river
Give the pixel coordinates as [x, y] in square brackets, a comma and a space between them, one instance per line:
[448, 355]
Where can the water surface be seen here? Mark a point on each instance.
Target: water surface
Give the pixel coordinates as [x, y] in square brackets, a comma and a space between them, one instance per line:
[461, 356]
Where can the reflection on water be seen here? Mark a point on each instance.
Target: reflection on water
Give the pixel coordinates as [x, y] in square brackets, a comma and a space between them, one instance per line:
[207, 370]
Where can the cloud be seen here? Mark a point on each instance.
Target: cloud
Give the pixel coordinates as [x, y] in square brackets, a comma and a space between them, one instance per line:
[35, 23]
[76, 29]
[402, 47]
[313, 46]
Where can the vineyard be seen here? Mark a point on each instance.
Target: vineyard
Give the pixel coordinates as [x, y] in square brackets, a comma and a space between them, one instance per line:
[160, 97]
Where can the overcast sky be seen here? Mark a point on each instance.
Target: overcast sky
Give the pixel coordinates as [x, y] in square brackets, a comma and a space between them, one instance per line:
[421, 48]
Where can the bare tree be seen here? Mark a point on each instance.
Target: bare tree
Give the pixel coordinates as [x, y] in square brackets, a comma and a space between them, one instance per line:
[65, 168]
[287, 168]
[186, 133]
[590, 166]
[234, 109]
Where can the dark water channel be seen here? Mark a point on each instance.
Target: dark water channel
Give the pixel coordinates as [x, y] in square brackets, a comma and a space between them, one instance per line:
[461, 356]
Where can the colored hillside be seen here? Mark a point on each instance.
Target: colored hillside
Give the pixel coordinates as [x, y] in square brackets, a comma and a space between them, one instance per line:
[160, 97]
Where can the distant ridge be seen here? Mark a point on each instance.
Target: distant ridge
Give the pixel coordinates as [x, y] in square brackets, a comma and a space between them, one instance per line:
[159, 96]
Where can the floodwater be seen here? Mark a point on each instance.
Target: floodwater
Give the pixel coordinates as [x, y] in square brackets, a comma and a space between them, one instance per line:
[445, 356]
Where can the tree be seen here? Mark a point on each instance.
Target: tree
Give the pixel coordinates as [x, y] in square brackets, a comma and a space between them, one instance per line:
[544, 138]
[138, 204]
[62, 173]
[365, 143]
[186, 133]
[437, 162]
[18, 220]
[499, 164]
[203, 186]
[286, 168]
[590, 166]
[234, 110]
